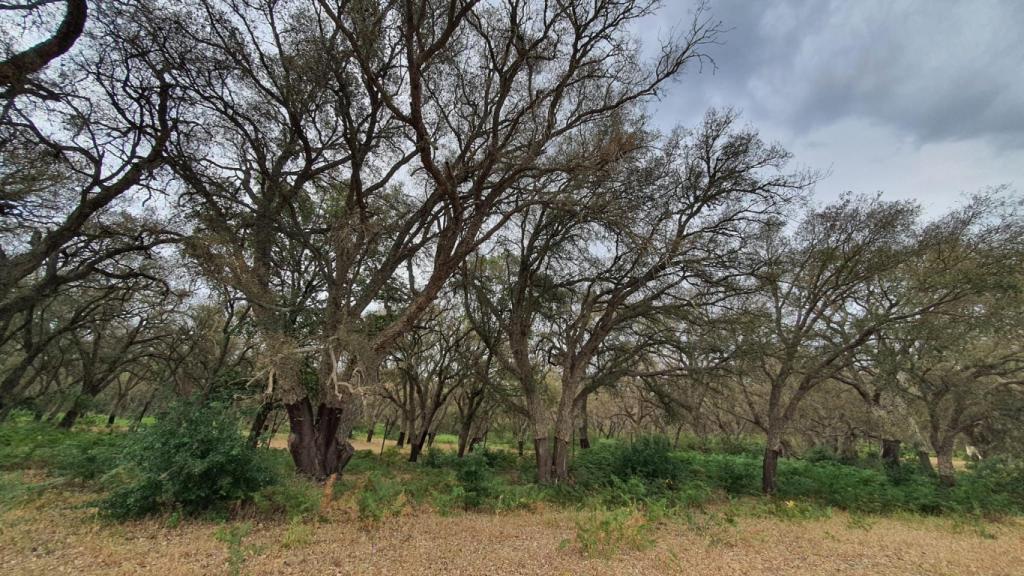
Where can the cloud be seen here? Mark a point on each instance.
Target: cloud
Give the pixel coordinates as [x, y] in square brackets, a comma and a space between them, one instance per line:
[935, 69]
[917, 99]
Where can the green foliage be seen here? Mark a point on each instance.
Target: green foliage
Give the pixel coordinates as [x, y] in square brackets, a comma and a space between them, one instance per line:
[79, 455]
[298, 535]
[605, 533]
[293, 497]
[193, 459]
[380, 498]
[476, 480]
[993, 486]
[649, 460]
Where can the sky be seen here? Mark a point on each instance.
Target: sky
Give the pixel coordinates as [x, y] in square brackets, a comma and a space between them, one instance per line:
[914, 99]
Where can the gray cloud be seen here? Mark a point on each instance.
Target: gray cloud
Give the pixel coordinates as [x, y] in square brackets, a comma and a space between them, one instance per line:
[935, 69]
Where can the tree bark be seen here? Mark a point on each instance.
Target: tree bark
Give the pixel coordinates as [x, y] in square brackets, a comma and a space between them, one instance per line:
[769, 470]
[259, 422]
[369, 433]
[313, 441]
[891, 452]
[464, 431]
[924, 462]
[20, 65]
[542, 450]
[584, 425]
[401, 439]
[947, 473]
[71, 416]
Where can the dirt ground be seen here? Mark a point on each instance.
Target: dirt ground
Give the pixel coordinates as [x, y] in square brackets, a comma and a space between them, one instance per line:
[58, 534]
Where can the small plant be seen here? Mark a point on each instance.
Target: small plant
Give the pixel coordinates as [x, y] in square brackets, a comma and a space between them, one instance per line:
[295, 498]
[605, 533]
[298, 535]
[857, 521]
[379, 499]
[233, 536]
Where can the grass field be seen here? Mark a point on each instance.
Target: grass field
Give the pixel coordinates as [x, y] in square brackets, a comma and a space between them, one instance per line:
[58, 533]
[637, 508]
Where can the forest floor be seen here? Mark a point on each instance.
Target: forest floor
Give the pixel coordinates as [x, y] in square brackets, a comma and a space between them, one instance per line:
[58, 533]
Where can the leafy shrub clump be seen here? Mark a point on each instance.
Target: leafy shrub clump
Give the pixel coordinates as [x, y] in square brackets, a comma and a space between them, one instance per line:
[649, 460]
[993, 486]
[379, 499]
[192, 459]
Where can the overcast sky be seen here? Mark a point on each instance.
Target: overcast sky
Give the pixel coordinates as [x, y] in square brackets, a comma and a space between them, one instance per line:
[916, 99]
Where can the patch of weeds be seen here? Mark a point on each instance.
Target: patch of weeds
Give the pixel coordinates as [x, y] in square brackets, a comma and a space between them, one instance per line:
[447, 503]
[973, 524]
[379, 499]
[298, 535]
[783, 509]
[717, 529]
[294, 498]
[605, 533]
[16, 489]
[856, 521]
[233, 536]
[174, 520]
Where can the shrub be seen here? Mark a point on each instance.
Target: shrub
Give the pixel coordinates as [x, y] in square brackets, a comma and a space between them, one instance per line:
[649, 460]
[380, 498]
[476, 480]
[193, 459]
[294, 498]
[995, 485]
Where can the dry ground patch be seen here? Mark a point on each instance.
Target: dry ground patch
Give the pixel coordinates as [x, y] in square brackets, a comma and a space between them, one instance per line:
[58, 534]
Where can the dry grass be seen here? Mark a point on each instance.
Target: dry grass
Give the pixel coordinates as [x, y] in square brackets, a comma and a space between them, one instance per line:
[57, 535]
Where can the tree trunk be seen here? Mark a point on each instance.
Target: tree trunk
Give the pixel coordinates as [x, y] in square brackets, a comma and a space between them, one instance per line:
[416, 446]
[401, 439]
[259, 422]
[68, 421]
[560, 461]
[142, 413]
[769, 469]
[583, 431]
[891, 452]
[464, 431]
[542, 450]
[520, 446]
[430, 439]
[924, 462]
[369, 433]
[111, 418]
[947, 474]
[313, 441]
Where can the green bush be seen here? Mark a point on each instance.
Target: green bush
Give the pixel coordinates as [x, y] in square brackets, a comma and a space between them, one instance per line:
[476, 480]
[380, 498]
[295, 498]
[992, 486]
[649, 460]
[192, 459]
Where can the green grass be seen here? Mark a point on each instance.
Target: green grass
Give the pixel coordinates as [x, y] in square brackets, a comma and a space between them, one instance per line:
[646, 475]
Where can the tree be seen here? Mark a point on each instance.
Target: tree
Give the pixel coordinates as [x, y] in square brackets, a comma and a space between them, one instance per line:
[304, 113]
[659, 235]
